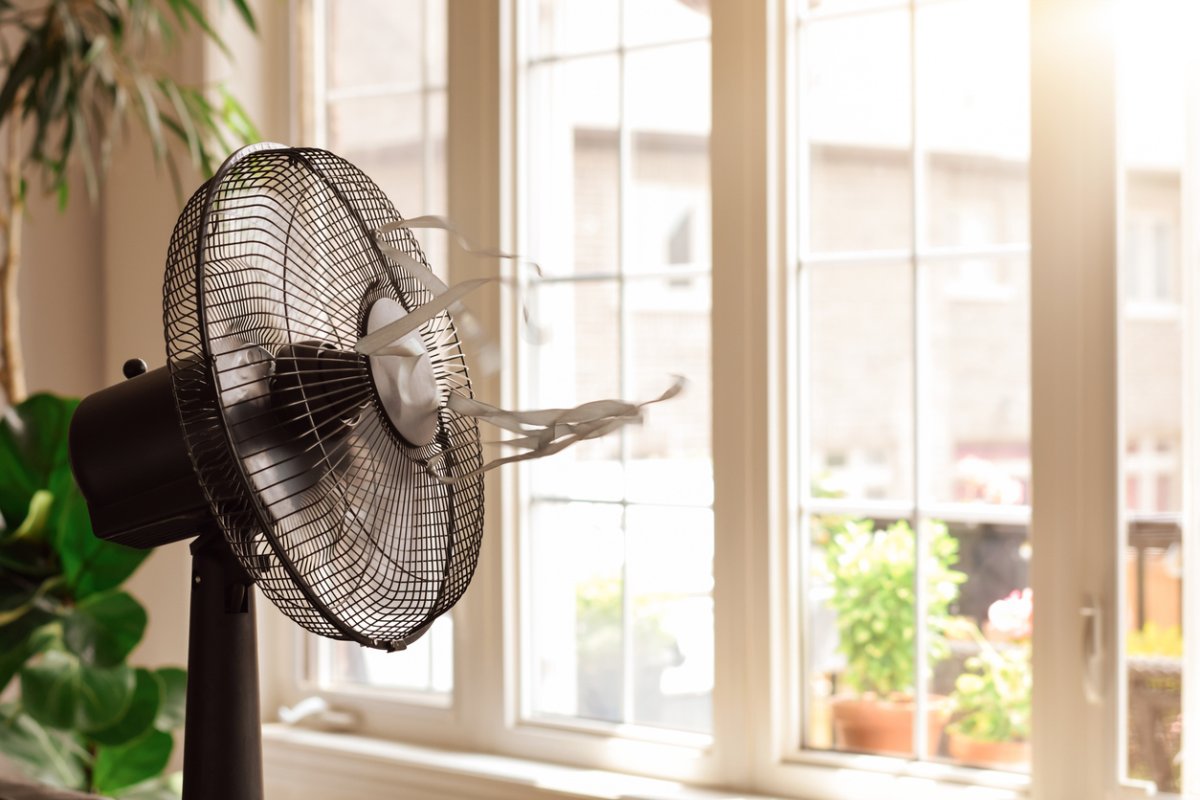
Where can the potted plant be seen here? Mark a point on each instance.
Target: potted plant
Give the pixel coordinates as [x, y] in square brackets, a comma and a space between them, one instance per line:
[993, 696]
[872, 575]
[83, 717]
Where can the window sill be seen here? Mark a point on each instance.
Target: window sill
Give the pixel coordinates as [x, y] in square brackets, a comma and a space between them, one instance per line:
[300, 764]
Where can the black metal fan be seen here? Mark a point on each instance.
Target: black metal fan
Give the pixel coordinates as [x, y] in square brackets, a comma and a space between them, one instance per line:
[303, 464]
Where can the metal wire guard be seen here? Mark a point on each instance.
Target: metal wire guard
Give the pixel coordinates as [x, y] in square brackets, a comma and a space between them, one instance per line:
[271, 271]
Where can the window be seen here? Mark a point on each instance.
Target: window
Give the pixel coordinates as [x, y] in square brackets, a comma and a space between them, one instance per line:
[380, 101]
[939, 321]
[913, 185]
[615, 209]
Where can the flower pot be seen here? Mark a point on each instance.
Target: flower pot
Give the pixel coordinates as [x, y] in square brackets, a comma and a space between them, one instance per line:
[988, 754]
[873, 725]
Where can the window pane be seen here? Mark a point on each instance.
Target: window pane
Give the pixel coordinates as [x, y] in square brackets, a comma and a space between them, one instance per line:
[563, 27]
[973, 92]
[425, 666]
[668, 323]
[668, 108]
[855, 123]
[577, 610]
[975, 446]
[1155, 62]
[374, 42]
[573, 166]
[671, 616]
[658, 21]
[860, 381]
[578, 360]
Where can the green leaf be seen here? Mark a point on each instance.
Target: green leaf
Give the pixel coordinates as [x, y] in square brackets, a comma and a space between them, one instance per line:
[46, 756]
[33, 446]
[60, 692]
[243, 8]
[120, 767]
[141, 714]
[164, 787]
[90, 564]
[174, 698]
[18, 643]
[50, 689]
[34, 526]
[104, 628]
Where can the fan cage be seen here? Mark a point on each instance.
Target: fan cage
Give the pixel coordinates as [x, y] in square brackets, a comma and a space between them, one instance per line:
[325, 505]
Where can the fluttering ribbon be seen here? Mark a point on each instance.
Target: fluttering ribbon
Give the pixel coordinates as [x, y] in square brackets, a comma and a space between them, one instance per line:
[541, 432]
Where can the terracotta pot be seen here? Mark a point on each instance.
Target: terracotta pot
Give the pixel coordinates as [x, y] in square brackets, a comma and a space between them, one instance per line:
[872, 725]
[988, 754]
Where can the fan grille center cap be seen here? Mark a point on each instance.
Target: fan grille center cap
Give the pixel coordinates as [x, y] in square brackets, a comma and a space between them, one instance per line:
[404, 378]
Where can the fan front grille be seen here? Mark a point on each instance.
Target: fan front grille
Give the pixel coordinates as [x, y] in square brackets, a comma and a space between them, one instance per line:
[326, 506]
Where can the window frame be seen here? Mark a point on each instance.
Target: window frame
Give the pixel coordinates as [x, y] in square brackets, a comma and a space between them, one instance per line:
[756, 460]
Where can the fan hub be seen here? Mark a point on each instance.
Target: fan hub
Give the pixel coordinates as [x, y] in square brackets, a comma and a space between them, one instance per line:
[404, 378]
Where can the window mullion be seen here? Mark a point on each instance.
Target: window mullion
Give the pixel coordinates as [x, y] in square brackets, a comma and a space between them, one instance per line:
[749, 369]
[1075, 431]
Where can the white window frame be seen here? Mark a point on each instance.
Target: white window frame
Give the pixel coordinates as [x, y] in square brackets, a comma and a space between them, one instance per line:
[1075, 437]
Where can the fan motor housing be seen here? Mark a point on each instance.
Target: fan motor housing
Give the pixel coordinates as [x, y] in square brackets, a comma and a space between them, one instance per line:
[132, 466]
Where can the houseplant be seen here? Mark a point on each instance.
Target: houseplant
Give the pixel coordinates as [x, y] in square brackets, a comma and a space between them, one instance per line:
[872, 575]
[75, 73]
[994, 694]
[83, 718]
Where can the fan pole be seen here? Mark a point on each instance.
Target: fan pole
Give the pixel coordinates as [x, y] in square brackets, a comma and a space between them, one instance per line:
[222, 745]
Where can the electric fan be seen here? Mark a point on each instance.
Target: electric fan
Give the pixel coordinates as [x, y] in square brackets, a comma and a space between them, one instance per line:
[341, 483]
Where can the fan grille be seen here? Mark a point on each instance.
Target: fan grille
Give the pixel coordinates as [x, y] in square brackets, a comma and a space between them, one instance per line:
[326, 506]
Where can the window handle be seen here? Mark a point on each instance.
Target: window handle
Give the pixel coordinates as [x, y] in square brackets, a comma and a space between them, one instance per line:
[1093, 652]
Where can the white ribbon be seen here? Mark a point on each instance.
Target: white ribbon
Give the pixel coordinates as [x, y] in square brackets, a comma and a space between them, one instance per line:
[542, 432]
[548, 431]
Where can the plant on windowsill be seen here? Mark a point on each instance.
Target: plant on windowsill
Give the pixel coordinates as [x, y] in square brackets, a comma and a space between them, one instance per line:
[83, 718]
[873, 577]
[993, 696]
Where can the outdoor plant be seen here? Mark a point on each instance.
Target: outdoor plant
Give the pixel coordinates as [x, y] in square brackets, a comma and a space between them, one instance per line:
[82, 718]
[992, 697]
[75, 73]
[872, 574]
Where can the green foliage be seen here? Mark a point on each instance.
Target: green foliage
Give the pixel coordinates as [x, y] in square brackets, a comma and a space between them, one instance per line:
[83, 718]
[1155, 640]
[993, 697]
[873, 577]
[78, 72]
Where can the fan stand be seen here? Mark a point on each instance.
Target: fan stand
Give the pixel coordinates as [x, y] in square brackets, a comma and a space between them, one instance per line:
[222, 745]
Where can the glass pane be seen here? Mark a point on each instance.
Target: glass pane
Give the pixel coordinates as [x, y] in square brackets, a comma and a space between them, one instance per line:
[669, 331]
[563, 27]
[426, 665]
[435, 42]
[374, 42]
[657, 21]
[860, 640]
[855, 124]
[973, 92]
[860, 381]
[576, 610]
[577, 361]
[1156, 58]
[672, 616]
[435, 243]
[572, 207]
[975, 326]
[805, 7]
[384, 137]
[669, 110]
